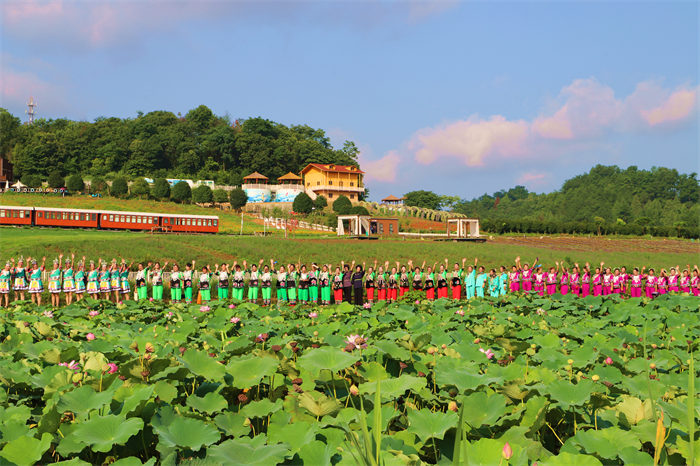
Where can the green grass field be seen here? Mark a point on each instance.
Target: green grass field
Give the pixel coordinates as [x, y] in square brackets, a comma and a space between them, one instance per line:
[211, 249]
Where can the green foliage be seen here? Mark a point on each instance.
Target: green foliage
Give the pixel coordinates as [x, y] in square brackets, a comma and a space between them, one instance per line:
[98, 185]
[181, 192]
[320, 203]
[75, 183]
[647, 201]
[220, 196]
[160, 189]
[342, 205]
[302, 204]
[200, 145]
[119, 187]
[140, 188]
[359, 210]
[56, 180]
[202, 194]
[425, 199]
[238, 198]
[31, 180]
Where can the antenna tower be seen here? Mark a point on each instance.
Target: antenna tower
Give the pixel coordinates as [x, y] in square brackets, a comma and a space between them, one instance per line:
[31, 105]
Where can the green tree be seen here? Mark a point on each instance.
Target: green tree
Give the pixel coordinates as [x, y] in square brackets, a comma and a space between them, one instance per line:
[342, 205]
[238, 198]
[359, 210]
[320, 203]
[202, 194]
[181, 192]
[98, 185]
[56, 180]
[302, 204]
[119, 188]
[160, 189]
[75, 183]
[220, 196]
[31, 180]
[425, 199]
[140, 188]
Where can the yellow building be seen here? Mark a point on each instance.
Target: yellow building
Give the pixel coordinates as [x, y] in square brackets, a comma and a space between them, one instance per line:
[332, 181]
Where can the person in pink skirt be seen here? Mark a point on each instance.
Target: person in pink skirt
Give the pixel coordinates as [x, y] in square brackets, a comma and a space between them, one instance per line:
[526, 276]
[575, 280]
[636, 284]
[597, 282]
[586, 281]
[607, 280]
[685, 280]
[650, 283]
[564, 281]
[539, 281]
[617, 282]
[662, 282]
[514, 276]
[551, 280]
[673, 279]
[624, 279]
[695, 281]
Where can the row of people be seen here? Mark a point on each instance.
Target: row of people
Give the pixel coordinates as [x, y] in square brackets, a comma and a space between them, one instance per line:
[323, 284]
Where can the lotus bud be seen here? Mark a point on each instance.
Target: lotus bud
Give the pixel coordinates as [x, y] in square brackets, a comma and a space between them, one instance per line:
[608, 360]
[432, 350]
[149, 348]
[354, 391]
[652, 366]
[90, 336]
[477, 341]
[595, 378]
[444, 346]
[570, 361]
[452, 406]
[507, 451]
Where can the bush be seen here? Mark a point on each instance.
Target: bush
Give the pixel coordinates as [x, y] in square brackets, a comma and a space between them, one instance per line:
[119, 187]
[320, 203]
[33, 181]
[202, 194]
[56, 180]
[75, 183]
[140, 188]
[238, 198]
[342, 206]
[161, 189]
[220, 196]
[303, 204]
[359, 210]
[332, 221]
[98, 185]
[181, 192]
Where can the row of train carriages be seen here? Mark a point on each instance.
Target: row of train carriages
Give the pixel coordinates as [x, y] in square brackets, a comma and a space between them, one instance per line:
[108, 220]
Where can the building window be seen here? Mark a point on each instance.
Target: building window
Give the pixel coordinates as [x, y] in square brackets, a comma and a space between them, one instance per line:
[318, 183]
[340, 183]
[352, 184]
[330, 195]
[330, 182]
[391, 228]
[352, 196]
[381, 228]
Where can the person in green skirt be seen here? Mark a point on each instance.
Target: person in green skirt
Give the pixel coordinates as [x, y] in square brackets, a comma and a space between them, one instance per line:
[187, 281]
[266, 281]
[69, 280]
[281, 285]
[324, 279]
[303, 285]
[176, 282]
[36, 286]
[157, 282]
[494, 284]
[222, 281]
[292, 284]
[313, 284]
[238, 281]
[142, 281]
[55, 283]
[80, 280]
[124, 280]
[254, 282]
[115, 284]
[204, 279]
[93, 281]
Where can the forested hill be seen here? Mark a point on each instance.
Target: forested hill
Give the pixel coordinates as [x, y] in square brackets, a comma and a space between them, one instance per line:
[199, 145]
[630, 199]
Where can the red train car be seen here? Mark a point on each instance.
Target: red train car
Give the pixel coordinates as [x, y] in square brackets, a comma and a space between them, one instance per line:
[55, 217]
[190, 223]
[15, 215]
[118, 220]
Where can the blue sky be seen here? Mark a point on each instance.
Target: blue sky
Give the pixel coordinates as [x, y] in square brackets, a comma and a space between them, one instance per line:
[461, 98]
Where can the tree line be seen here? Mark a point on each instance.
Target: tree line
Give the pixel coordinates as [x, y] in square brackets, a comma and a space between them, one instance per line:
[160, 144]
[607, 199]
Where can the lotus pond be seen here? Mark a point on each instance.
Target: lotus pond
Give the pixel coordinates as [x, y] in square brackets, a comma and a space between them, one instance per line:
[514, 381]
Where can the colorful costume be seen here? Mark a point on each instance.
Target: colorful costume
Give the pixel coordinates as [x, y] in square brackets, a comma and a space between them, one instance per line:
[141, 286]
[35, 283]
[204, 290]
[313, 286]
[93, 285]
[157, 285]
[585, 284]
[470, 284]
[527, 280]
[238, 285]
[564, 283]
[80, 281]
[514, 278]
[222, 286]
[636, 286]
[253, 286]
[20, 283]
[369, 285]
[392, 292]
[481, 283]
[115, 283]
[176, 283]
[456, 282]
[187, 285]
[292, 287]
[5, 279]
[282, 287]
[68, 280]
[55, 281]
[325, 282]
[266, 279]
[442, 284]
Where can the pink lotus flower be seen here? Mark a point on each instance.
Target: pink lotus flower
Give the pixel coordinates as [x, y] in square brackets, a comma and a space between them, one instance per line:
[460, 312]
[356, 341]
[204, 309]
[235, 320]
[90, 336]
[608, 360]
[150, 299]
[507, 451]
[540, 312]
[74, 366]
[261, 337]
[313, 315]
[48, 314]
[112, 368]
[169, 314]
[93, 313]
[367, 305]
[120, 302]
[489, 354]
[232, 306]
[417, 302]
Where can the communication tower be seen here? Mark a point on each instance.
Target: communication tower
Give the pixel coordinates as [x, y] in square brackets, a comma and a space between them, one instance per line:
[31, 105]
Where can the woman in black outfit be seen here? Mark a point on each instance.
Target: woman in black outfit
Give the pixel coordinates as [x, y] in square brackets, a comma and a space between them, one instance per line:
[347, 282]
[357, 284]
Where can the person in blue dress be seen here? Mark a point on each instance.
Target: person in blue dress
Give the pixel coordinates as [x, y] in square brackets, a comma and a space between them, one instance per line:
[481, 282]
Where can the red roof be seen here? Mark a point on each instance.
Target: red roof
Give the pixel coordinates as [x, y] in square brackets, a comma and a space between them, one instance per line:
[391, 198]
[330, 167]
